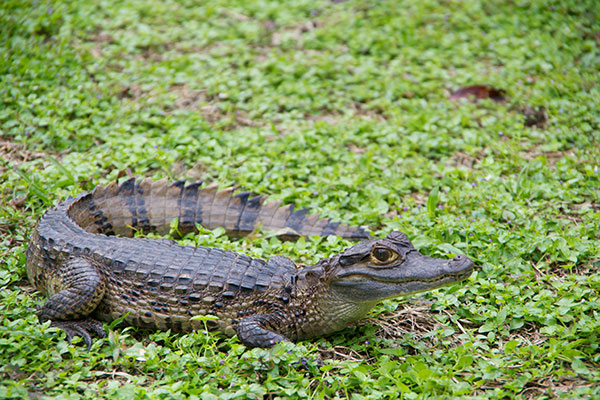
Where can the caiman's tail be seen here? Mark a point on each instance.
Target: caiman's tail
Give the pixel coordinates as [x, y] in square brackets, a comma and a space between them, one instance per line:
[150, 206]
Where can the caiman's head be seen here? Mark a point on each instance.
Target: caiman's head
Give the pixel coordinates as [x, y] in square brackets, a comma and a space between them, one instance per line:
[390, 267]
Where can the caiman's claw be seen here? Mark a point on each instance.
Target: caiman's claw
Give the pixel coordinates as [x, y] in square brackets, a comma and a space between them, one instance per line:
[81, 328]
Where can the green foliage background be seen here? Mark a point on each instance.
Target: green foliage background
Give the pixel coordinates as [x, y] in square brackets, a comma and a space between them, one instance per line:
[342, 108]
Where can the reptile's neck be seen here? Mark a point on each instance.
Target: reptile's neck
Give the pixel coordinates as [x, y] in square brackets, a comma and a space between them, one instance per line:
[322, 310]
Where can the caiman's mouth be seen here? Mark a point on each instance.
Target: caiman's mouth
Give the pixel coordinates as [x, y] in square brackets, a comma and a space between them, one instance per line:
[448, 277]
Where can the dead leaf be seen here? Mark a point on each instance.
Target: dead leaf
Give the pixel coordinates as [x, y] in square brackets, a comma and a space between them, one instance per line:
[18, 202]
[355, 149]
[478, 92]
[96, 52]
[534, 116]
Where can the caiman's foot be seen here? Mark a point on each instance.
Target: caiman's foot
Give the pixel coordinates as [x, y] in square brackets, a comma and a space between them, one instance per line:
[81, 328]
[252, 332]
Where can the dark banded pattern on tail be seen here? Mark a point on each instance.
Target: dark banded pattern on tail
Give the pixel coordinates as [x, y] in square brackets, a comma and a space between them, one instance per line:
[150, 206]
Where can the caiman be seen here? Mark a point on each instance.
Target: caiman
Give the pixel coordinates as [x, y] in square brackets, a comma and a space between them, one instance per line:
[84, 257]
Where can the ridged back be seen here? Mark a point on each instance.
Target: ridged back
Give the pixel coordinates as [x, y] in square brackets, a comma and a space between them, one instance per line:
[150, 206]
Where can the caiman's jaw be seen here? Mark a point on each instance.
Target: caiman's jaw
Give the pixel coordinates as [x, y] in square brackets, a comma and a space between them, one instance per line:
[392, 267]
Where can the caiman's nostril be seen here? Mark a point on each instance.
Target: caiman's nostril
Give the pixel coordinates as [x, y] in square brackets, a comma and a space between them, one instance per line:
[459, 257]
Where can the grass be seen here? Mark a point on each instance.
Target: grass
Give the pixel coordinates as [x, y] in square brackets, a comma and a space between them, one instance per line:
[343, 108]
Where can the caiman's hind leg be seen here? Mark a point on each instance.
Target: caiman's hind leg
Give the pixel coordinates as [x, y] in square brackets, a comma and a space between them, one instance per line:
[81, 288]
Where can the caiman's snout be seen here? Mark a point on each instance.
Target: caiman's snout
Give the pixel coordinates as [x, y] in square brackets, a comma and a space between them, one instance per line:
[461, 264]
[434, 272]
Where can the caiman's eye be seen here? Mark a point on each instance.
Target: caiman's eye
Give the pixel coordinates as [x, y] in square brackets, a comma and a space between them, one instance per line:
[383, 255]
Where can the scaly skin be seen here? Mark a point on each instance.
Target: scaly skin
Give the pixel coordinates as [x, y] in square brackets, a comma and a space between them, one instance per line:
[88, 273]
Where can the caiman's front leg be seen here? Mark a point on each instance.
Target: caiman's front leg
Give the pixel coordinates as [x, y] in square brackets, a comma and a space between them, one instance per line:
[81, 290]
[257, 331]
